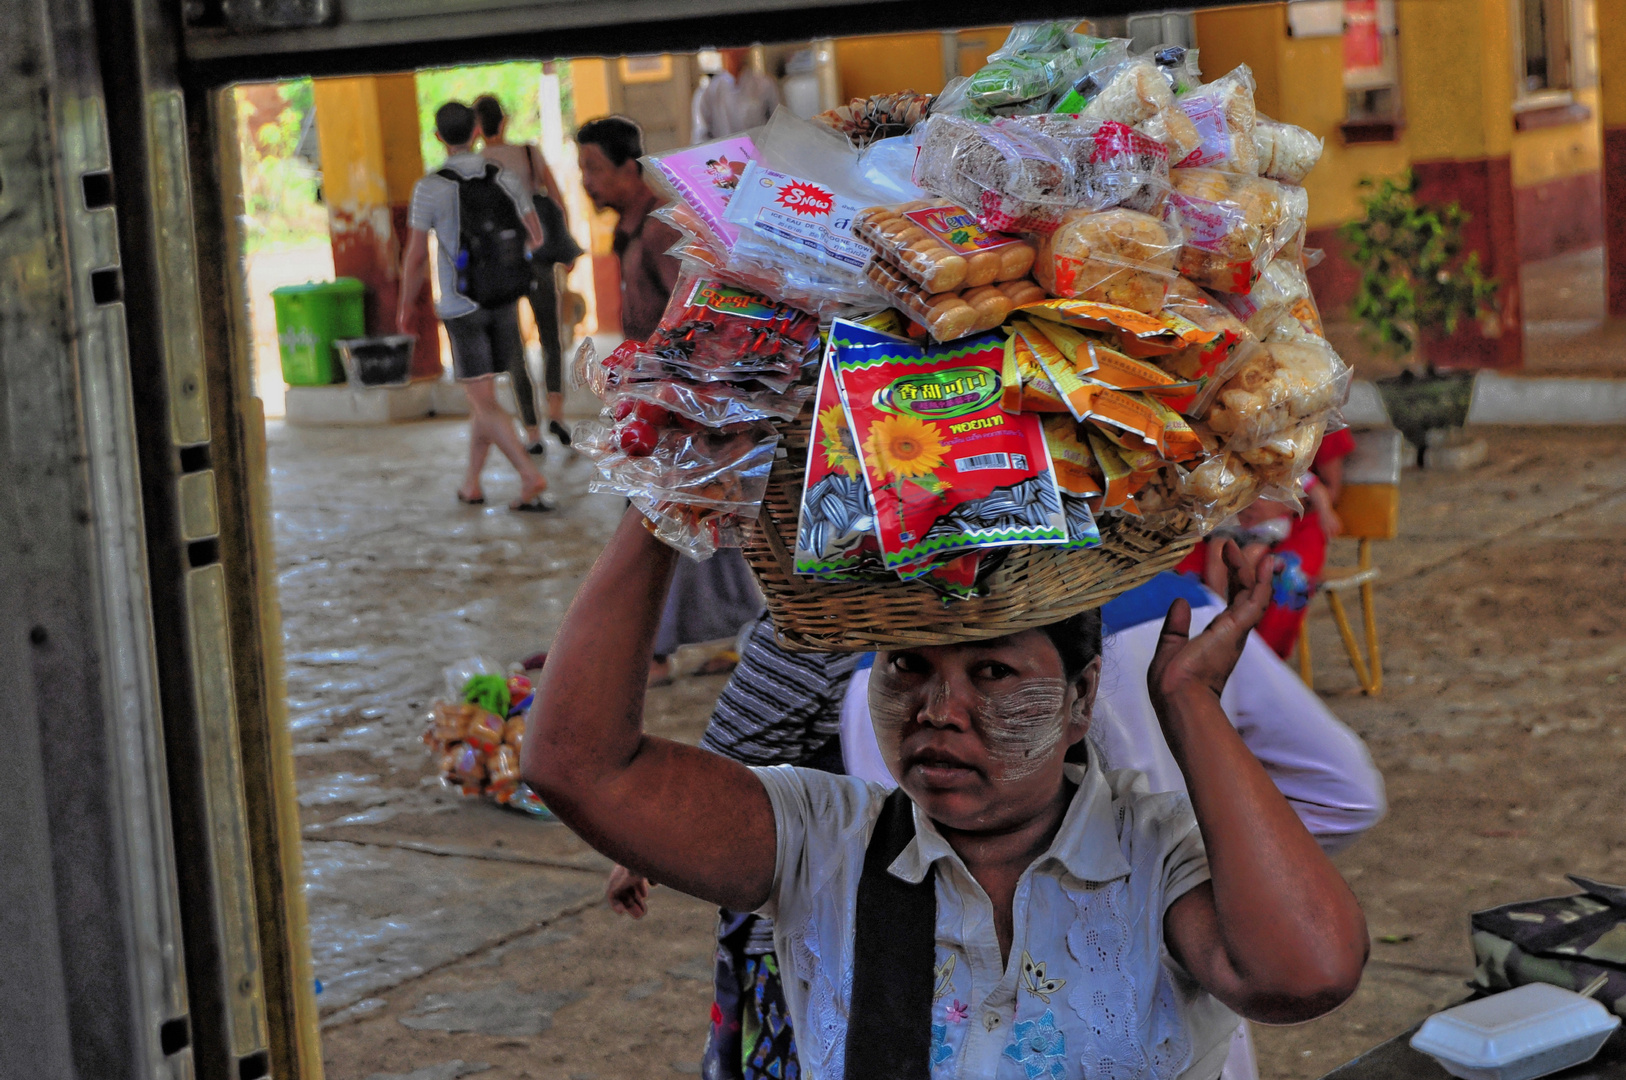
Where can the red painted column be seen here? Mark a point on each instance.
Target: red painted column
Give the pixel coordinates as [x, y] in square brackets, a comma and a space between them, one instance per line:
[1484, 188]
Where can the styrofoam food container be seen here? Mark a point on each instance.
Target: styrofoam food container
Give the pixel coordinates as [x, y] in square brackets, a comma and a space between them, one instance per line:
[1525, 1032]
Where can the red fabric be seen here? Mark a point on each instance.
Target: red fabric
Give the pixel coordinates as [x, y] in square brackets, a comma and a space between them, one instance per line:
[1334, 445]
[1281, 623]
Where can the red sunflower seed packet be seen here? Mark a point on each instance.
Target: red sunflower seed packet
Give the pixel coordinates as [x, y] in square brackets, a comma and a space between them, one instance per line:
[835, 533]
[948, 469]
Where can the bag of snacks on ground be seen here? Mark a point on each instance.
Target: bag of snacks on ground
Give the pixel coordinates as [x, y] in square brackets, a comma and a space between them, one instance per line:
[1223, 114]
[1113, 164]
[941, 246]
[1114, 256]
[948, 469]
[1286, 152]
[951, 315]
[1233, 225]
[1282, 386]
[1013, 180]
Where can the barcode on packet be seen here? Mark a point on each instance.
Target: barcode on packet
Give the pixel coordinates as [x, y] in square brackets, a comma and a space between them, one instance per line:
[978, 462]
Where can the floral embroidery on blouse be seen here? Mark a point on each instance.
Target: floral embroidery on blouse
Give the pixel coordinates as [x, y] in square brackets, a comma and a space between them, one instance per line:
[957, 1012]
[1039, 1048]
[941, 1050]
[1034, 981]
[945, 976]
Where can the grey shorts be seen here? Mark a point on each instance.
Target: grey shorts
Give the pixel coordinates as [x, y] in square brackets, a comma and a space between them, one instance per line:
[485, 342]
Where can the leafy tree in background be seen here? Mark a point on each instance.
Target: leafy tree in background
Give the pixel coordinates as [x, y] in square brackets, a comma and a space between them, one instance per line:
[513, 84]
[279, 190]
[1414, 279]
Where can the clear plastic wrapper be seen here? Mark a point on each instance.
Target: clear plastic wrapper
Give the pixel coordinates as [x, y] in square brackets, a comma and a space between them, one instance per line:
[1115, 256]
[1280, 463]
[1112, 164]
[713, 329]
[1285, 152]
[1008, 80]
[704, 178]
[696, 531]
[1037, 38]
[867, 120]
[1130, 92]
[948, 470]
[1223, 114]
[1217, 489]
[1171, 127]
[1013, 180]
[713, 404]
[1233, 225]
[941, 246]
[1281, 293]
[950, 315]
[1280, 387]
[1204, 365]
[722, 470]
[805, 217]
[1179, 66]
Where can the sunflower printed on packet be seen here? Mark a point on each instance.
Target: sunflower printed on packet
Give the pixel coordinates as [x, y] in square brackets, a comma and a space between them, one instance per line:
[948, 469]
[835, 535]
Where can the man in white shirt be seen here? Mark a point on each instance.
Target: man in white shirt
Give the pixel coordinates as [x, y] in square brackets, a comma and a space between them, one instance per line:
[482, 249]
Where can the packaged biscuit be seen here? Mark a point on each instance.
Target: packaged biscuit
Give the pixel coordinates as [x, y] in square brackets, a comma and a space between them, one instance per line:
[948, 469]
[1013, 180]
[1283, 385]
[1281, 293]
[1233, 225]
[1112, 163]
[1218, 488]
[1128, 92]
[806, 219]
[941, 246]
[1280, 462]
[1286, 153]
[835, 536]
[1114, 256]
[1223, 114]
[1077, 479]
[950, 315]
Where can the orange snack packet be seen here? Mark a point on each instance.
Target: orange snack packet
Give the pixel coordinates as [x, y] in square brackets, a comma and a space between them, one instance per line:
[1142, 335]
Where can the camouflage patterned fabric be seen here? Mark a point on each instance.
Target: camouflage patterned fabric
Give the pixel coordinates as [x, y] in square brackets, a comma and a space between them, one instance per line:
[1567, 941]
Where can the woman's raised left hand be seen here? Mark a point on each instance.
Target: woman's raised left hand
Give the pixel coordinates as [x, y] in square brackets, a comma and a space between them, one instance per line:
[1183, 663]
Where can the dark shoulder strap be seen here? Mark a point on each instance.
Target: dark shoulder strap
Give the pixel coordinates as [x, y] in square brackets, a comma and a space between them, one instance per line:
[889, 1029]
[451, 174]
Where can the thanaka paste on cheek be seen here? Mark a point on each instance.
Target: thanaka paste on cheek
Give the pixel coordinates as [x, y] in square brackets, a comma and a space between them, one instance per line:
[1020, 727]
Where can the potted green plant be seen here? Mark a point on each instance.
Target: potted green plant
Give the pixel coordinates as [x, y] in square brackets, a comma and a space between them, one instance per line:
[1415, 280]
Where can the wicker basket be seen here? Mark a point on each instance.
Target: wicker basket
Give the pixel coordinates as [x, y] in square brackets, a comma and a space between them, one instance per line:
[1035, 586]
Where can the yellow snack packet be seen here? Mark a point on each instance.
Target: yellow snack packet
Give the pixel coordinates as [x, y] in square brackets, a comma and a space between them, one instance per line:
[1141, 334]
[1027, 386]
[1181, 441]
[1065, 377]
[1132, 413]
[1114, 369]
[1116, 474]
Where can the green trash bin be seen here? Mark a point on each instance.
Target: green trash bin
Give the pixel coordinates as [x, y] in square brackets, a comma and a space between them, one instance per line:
[310, 318]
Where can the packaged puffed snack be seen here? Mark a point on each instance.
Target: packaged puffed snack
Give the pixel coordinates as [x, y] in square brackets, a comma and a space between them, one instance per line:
[1112, 163]
[1281, 293]
[703, 179]
[696, 531]
[1286, 152]
[1129, 92]
[1012, 179]
[710, 404]
[950, 315]
[835, 535]
[1218, 488]
[1203, 366]
[1113, 256]
[1172, 128]
[1077, 479]
[1280, 462]
[941, 246]
[1280, 387]
[884, 116]
[1223, 114]
[1233, 225]
[948, 469]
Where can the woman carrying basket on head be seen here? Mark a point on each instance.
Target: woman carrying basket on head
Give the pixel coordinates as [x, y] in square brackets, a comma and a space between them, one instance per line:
[1005, 914]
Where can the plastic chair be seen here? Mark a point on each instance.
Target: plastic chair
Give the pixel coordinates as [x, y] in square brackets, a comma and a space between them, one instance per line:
[1370, 510]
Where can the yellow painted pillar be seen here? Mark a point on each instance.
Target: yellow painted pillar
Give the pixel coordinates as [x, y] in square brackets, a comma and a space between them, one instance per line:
[368, 131]
[1612, 104]
[591, 83]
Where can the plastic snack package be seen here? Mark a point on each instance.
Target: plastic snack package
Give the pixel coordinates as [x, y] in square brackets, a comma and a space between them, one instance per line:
[502, 771]
[1027, 386]
[948, 469]
[712, 404]
[1218, 488]
[804, 216]
[950, 315]
[1280, 387]
[941, 246]
[1233, 225]
[1280, 462]
[864, 121]
[1223, 114]
[1118, 480]
[1282, 292]
[1204, 366]
[1013, 180]
[1037, 38]
[1113, 164]
[1285, 152]
[1179, 66]
[696, 531]
[704, 178]
[1008, 80]
[835, 533]
[1114, 256]
[725, 470]
[1063, 354]
[1129, 92]
[1077, 478]
[717, 331]
[1181, 440]
[1172, 128]
[1139, 334]
[963, 576]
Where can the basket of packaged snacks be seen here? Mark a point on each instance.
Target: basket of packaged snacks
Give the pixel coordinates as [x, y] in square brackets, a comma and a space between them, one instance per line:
[951, 368]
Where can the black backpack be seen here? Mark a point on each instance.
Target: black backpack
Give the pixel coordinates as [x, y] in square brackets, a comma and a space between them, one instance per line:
[493, 267]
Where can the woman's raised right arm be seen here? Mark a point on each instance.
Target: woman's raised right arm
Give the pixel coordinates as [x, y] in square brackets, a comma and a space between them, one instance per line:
[676, 814]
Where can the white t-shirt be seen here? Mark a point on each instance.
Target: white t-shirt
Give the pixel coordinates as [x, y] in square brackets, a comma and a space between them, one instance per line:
[1318, 763]
[1088, 990]
[435, 209]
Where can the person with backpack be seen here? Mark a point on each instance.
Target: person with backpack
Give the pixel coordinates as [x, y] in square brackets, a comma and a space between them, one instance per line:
[559, 249]
[485, 227]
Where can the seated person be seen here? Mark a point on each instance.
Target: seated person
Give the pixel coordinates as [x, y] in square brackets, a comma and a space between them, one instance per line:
[1004, 913]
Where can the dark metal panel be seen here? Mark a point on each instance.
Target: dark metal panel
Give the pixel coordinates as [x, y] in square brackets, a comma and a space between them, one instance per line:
[395, 35]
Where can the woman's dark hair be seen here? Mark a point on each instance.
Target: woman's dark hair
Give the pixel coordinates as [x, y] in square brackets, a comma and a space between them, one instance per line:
[620, 139]
[1078, 640]
[488, 110]
[454, 123]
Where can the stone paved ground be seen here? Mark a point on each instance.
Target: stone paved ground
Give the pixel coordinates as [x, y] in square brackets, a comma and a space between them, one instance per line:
[450, 935]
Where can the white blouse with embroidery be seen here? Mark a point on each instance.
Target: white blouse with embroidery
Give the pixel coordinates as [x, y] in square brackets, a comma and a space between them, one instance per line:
[1089, 991]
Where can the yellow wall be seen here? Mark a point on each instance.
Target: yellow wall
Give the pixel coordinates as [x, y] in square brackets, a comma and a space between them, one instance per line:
[1612, 62]
[352, 143]
[888, 63]
[1558, 152]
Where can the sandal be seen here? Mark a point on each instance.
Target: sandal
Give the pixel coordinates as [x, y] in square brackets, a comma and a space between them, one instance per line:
[540, 503]
[478, 500]
[560, 432]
